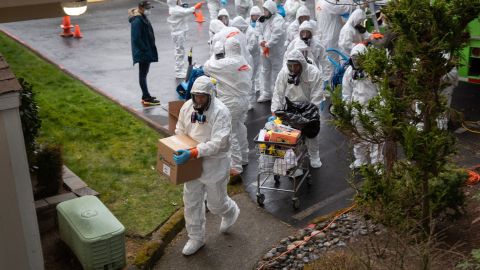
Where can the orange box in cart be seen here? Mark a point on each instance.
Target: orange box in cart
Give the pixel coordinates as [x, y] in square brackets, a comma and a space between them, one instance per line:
[177, 174]
[290, 137]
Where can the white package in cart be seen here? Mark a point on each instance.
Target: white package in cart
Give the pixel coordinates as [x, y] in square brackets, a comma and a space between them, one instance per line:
[282, 165]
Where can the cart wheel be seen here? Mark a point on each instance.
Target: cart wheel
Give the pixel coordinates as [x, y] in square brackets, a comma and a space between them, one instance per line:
[260, 199]
[295, 203]
[277, 179]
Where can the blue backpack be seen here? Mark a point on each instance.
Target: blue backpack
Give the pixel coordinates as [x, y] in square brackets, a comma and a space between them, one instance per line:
[339, 67]
[184, 88]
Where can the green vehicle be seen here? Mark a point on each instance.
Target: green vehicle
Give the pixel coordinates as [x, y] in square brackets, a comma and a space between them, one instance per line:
[469, 70]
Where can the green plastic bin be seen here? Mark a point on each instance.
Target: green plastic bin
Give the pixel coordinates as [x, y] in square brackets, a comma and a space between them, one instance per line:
[92, 232]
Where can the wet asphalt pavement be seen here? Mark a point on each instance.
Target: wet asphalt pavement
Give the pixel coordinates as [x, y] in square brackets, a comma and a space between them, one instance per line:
[102, 58]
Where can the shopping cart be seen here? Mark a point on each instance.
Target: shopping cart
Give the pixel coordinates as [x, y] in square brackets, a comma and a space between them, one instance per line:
[282, 160]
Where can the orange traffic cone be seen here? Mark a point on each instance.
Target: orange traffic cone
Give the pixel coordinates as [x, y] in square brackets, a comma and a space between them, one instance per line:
[199, 16]
[77, 33]
[66, 26]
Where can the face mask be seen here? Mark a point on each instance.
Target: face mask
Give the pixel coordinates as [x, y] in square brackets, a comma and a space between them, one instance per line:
[262, 19]
[253, 24]
[185, 5]
[360, 28]
[219, 56]
[306, 40]
[293, 79]
[147, 12]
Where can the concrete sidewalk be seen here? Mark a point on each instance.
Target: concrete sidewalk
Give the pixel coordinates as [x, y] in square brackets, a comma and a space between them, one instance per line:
[254, 233]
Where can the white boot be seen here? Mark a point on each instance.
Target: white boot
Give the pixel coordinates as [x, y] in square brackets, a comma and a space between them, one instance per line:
[229, 219]
[192, 246]
[315, 162]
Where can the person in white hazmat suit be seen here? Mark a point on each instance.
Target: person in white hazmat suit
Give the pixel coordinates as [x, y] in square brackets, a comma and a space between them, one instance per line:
[358, 87]
[224, 17]
[291, 9]
[213, 8]
[272, 41]
[205, 119]
[221, 33]
[300, 82]
[253, 47]
[252, 41]
[177, 20]
[233, 75]
[353, 32]
[303, 14]
[314, 49]
[329, 20]
[242, 7]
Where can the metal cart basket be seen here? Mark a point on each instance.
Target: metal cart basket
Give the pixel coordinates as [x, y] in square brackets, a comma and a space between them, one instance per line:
[281, 159]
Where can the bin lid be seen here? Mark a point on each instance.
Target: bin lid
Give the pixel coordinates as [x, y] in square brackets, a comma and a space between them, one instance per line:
[90, 218]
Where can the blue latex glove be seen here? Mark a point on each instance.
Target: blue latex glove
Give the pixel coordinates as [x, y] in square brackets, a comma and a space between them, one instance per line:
[322, 105]
[325, 84]
[182, 157]
[345, 16]
[281, 10]
[223, 2]
[271, 118]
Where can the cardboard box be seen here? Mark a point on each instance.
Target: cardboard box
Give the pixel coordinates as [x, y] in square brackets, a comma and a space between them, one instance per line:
[173, 112]
[177, 174]
[290, 137]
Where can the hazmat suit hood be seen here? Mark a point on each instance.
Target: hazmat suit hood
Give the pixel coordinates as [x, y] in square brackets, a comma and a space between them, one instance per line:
[306, 25]
[271, 6]
[302, 11]
[240, 23]
[357, 50]
[218, 48]
[171, 3]
[256, 11]
[296, 55]
[223, 12]
[233, 48]
[216, 26]
[357, 17]
[204, 85]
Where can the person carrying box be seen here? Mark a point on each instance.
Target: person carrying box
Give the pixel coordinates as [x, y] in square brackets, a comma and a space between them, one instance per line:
[207, 120]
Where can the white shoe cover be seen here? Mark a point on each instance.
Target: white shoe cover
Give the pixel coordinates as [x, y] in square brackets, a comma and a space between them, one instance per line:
[315, 162]
[192, 246]
[229, 220]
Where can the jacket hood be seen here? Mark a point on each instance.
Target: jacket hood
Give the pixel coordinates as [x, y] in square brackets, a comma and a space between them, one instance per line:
[357, 17]
[296, 55]
[240, 23]
[223, 12]
[306, 25]
[256, 11]
[171, 3]
[233, 48]
[204, 85]
[302, 11]
[271, 6]
[216, 26]
[132, 13]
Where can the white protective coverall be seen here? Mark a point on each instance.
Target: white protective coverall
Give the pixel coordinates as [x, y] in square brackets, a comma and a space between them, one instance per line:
[214, 143]
[272, 31]
[222, 32]
[315, 51]
[233, 75]
[329, 21]
[292, 29]
[177, 20]
[242, 7]
[240, 23]
[349, 36]
[291, 7]
[254, 49]
[360, 90]
[308, 90]
[224, 12]
[213, 8]
[452, 79]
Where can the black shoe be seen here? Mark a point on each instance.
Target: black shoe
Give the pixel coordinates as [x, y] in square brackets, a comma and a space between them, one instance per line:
[151, 101]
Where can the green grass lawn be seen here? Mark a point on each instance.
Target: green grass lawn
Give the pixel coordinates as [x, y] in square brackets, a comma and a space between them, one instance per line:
[107, 147]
